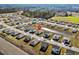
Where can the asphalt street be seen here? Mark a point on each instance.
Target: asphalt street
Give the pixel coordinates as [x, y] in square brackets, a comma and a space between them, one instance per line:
[7, 48]
[42, 39]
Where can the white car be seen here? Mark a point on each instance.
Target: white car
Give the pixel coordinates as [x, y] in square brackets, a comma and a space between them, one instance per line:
[56, 37]
[34, 43]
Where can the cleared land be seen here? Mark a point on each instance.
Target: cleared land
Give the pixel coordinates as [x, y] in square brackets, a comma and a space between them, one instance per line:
[67, 19]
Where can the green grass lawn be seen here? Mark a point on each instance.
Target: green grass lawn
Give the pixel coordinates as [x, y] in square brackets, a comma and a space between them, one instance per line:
[68, 19]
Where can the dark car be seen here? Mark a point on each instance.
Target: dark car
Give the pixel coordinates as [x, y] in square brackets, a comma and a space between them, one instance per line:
[1, 26]
[44, 46]
[38, 33]
[66, 42]
[27, 29]
[56, 37]
[56, 50]
[18, 27]
[74, 31]
[46, 35]
[15, 33]
[27, 39]
[57, 22]
[10, 31]
[7, 31]
[17, 23]
[69, 25]
[65, 28]
[32, 31]
[75, 26]
[34, 43]
[62, 23]
[19, 36]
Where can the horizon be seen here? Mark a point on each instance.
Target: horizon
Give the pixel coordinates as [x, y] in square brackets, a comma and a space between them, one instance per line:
[40, 5]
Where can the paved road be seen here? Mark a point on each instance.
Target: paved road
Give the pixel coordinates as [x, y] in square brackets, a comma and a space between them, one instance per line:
[42, 39]
[7, 48]
[22, 24]
[54, 31]
[57, 24]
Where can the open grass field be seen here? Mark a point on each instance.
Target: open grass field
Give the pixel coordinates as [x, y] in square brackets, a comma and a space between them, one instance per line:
[68, 19]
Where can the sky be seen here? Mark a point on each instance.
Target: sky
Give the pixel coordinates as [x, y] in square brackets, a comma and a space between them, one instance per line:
[40, 5]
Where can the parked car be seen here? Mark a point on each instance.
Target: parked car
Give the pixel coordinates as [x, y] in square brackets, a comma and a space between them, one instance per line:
[18, 27]
[74, 30]
[44, 46]
[65, 28]
[66, 41]
[46, 35]
[34, 43]
[19, 36]
[56, 50]
[69, 25]
[27, 29]
[75, 26]
[32, 31]
[56, 37]
[15, 33]
[1, 26]
[38, 33]
[27, 39]
[10, 31]
[7, 31]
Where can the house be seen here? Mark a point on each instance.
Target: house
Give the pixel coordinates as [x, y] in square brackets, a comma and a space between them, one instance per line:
[60, 14]
[75, 14]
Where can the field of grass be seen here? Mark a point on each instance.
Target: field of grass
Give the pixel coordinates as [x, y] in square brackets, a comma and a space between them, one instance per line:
[68, 19]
